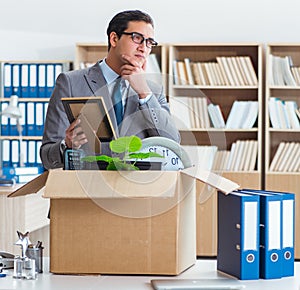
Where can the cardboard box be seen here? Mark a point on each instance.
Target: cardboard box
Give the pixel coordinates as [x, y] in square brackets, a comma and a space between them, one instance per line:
[120, 222]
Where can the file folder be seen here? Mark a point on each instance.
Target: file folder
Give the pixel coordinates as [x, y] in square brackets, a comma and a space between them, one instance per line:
[24, 80]
[50, 73]
[16, 74]
[39, 119]
[30, 119]
[13, 129]
[31, 153]
[8, 91]
[23, 151]
[15, 153]
[33, 88]
[5, 121]
[287, 230]
[42, 81]
[22, 107]
[288, 233]
[6, 147]
[238, 235]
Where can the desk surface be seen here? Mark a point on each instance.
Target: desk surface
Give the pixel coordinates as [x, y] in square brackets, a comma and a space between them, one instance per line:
[202, 269]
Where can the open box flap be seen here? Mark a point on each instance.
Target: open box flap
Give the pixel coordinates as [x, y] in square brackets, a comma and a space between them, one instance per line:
[32, 186]
[221, 183]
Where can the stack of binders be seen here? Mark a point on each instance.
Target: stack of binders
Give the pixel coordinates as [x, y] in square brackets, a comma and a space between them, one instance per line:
[256, 234]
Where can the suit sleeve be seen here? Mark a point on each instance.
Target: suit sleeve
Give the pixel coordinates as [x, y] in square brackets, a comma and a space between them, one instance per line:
[160, 122]
[56, 124]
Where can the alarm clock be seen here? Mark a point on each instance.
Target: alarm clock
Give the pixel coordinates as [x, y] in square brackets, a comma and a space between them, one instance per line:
[175, 157]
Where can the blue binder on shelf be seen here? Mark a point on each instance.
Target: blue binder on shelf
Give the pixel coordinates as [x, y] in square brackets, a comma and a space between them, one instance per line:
[15, 153]
[238, 235]
[41, 80]
[23, 109]
[16, 79]
[39, 118]
[33, 86]
[50, 73]
[13, 129]
[5, 152]
[31, 153]
[24, 80]
[287, 227]
[8, 89]
[5, 121]
[30, 119]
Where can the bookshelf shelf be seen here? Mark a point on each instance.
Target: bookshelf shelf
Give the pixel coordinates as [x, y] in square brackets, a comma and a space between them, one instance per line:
[192, 87]
[222, 95]
[222, 138]
[33, 82]
[284, 131]
[281, 173]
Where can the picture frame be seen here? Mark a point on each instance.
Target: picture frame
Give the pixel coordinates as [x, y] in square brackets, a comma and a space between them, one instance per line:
[94, 119]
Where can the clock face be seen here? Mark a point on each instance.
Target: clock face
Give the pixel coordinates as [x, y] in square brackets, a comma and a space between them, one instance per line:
[175, 158]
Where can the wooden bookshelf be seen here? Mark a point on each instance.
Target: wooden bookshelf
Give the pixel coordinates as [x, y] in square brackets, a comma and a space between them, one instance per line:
[282, 178]
[224, 95]
[284, 131]
[33, 82]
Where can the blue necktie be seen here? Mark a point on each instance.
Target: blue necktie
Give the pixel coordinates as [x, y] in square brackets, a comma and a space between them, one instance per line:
[117, 101]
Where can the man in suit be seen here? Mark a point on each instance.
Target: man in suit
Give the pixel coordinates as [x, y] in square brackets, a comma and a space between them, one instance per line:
[144, 112]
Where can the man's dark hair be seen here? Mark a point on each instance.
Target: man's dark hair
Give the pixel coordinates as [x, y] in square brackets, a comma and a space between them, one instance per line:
[119, 22]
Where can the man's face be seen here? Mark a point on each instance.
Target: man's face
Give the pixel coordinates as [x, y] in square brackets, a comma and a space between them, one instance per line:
[126, 46]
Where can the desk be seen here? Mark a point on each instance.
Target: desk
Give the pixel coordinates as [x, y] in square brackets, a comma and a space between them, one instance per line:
[202, 269]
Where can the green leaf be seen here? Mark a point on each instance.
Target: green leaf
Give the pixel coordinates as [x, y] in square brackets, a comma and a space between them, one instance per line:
[126, 144]
[97, 158]
[145, 155]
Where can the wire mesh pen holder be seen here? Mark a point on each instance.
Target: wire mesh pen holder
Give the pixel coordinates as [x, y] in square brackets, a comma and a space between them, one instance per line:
[24, 268]
[36, 253]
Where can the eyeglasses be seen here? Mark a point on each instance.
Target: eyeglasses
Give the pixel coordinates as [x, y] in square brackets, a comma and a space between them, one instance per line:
[139, 39]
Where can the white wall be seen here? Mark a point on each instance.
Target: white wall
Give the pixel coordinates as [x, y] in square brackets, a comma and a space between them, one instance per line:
[41, 29]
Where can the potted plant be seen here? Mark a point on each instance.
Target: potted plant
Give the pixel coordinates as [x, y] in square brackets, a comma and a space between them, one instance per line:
[125, 156]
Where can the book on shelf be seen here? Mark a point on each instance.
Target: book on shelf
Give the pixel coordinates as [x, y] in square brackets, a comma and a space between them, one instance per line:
[296, 74]
[280, 68]
[202, 156]
[250, 70]
[242, 115]
[233, 71]
[196, 73]
[291, 108]
[243, 156]
[291, 155]
[222, 61]
[238, 72]
[175, 73]
[283, 114]
[182, 73]
[188, 69]
[295, 164]
[180, 110]
[288, 78]
[286, 157]
[216, 116]
[152, 64]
